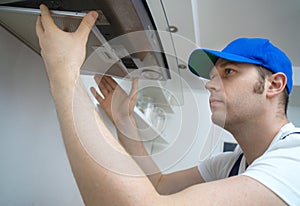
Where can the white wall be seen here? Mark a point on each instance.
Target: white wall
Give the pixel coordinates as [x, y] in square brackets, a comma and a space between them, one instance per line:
[294, 115]
[34, 167]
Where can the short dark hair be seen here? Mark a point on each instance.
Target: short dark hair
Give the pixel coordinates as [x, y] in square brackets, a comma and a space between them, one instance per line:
[263, 73]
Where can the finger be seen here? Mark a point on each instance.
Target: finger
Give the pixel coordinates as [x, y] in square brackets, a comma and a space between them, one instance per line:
[103, 89]
[113, 84]
[107, 84]
[96, 95]
[39, 27]
[133, 92]
[98, 78]
[134, 87]
[46, 19]
[101, 85]
[87, 24]
[103, 81]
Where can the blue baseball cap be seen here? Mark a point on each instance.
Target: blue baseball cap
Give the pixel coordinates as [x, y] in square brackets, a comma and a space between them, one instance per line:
[257, 51]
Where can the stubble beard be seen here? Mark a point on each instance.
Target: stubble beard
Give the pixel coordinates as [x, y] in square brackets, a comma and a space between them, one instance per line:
[222, 119]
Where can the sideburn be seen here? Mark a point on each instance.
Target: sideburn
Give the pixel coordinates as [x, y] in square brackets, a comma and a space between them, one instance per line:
[259, 87]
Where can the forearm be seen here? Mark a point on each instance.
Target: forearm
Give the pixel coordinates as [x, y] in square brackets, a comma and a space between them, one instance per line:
[95, 156]
[129, 137]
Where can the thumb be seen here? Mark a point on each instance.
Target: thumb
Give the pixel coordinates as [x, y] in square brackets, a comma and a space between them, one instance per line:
[133, 93]
[87, 24]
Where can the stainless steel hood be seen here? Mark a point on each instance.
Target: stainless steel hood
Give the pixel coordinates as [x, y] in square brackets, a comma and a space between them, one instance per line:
[127, 41]
[113, 46]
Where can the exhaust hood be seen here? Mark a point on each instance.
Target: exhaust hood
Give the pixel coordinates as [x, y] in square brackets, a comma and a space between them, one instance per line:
[127, 41]
[118, 49]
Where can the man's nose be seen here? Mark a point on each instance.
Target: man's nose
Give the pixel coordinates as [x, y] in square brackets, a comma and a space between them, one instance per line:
[214, 84]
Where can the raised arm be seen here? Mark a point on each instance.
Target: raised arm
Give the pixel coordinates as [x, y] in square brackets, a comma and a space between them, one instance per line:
[91, 149]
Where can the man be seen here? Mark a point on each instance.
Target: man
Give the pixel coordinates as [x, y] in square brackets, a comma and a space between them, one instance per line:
[248, 99]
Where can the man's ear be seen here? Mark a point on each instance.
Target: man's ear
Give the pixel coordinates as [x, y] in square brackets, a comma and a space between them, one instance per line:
[277, 83]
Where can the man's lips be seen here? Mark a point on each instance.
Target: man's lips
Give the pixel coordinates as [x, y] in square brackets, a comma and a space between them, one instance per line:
[215, 101]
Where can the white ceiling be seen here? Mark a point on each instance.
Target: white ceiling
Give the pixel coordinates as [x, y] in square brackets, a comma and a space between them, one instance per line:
[277, 20]
[220, 21]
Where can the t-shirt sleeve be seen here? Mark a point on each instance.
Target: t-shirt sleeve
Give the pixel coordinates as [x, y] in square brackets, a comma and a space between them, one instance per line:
[279, 170]
[217, 166]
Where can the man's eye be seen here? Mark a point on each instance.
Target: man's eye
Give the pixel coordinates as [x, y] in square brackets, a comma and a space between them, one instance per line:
[228, 71]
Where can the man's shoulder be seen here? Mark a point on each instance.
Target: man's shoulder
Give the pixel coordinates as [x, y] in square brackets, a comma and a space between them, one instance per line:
[288, 136]
[289, 129]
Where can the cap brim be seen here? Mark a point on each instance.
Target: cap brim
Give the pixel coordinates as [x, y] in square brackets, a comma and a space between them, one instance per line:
[201, 61]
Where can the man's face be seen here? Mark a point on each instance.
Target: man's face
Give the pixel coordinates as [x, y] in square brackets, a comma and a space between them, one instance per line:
[233, 100]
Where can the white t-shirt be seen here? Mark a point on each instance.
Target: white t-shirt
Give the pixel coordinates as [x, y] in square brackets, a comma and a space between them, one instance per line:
[278, 168]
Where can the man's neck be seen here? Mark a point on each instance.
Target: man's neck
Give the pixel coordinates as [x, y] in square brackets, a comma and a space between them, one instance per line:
[255, 137]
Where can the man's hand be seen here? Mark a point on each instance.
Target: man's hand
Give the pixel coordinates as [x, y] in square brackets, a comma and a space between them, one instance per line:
[63, 52]
[115, 102]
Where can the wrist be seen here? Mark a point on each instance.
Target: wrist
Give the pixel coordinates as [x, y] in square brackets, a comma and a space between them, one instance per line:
[127, 122]
[62, 90]
[59, 80]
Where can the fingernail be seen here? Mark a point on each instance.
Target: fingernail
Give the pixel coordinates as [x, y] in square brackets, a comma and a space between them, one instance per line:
[94, 15]
[92, 89]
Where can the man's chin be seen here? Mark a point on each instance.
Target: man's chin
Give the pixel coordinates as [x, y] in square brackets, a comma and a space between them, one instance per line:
[219, 119]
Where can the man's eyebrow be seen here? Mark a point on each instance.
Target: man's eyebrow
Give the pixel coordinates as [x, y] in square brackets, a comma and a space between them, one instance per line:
[226, 63]
[222, 65]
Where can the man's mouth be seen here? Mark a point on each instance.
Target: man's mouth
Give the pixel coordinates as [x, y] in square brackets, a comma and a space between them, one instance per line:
[215, 101]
